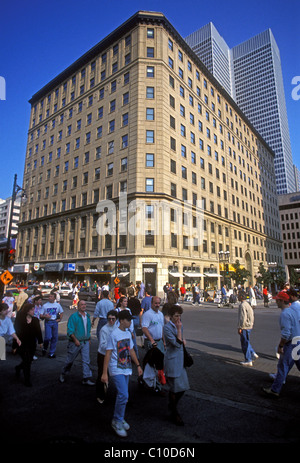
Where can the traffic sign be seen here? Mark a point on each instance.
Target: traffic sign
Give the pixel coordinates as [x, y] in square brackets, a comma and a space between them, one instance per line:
[6, 277]
[116, 281]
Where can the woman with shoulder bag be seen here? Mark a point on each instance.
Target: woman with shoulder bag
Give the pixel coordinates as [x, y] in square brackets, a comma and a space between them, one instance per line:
[174, 368]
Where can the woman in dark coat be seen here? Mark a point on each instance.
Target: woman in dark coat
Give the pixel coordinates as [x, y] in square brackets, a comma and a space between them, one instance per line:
[174, 369]
[28, 330]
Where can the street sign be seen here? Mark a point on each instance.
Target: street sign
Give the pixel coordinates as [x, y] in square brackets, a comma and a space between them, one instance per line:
[116, 281]
[6, 277]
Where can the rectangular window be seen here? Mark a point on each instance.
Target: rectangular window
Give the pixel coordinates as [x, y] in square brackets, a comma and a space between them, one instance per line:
[150, 33]
[150, 71]
[150, 93]
[173, 166]
[110, 169]
[150, 114]
[150, 185]
[149, 136]
[124, 165]
[149, 238]
[125, 141]
[150, 52]
[149, 160]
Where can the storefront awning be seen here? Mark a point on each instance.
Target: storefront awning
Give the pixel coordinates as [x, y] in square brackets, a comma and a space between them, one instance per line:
[212, 275]
[193, 274]
[176, 274]
[93, 272]
[54, 267]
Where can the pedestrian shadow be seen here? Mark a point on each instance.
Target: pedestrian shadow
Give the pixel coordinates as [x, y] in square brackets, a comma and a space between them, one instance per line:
[227, 347]
[223, 347]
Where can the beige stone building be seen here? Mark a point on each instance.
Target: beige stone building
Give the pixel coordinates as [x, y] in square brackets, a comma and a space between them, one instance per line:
[139, 114]
[289, 211]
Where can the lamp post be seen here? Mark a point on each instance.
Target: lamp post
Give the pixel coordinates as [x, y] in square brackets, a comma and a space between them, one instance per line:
[16, 189]
[224, 258]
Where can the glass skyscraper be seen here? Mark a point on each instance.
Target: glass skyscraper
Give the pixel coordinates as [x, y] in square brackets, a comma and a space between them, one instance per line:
[251, 73]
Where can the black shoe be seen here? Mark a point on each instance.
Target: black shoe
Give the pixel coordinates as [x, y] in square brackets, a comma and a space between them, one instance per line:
[177, 420]
[18, 371]
[51, 356]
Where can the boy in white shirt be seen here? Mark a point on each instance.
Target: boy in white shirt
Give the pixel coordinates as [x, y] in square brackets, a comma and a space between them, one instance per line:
[119, 353]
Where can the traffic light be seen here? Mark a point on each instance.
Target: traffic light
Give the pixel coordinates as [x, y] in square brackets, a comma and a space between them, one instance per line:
[11, 257]
[227, 269]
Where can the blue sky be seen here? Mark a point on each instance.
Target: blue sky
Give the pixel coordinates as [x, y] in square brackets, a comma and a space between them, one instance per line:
[40, 39]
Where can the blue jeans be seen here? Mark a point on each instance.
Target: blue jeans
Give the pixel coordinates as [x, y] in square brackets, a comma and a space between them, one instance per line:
[285, 364]
[136, 322]
[247, 349]
[51, 335]
[121, 382]
[101, 323]
[73, 351]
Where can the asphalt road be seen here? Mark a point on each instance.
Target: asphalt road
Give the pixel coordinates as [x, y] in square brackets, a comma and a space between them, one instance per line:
[225, 403]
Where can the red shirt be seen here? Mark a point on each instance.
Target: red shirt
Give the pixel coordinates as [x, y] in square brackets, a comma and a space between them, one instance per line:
[117, 295]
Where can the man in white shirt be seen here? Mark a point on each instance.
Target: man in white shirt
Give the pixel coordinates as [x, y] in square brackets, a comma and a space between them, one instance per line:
[52, 313]
[152, 326]
[101, 310]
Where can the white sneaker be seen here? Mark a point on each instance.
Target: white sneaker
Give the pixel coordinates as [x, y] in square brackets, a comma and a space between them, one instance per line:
[88, 382]
[255, 356]
[118, 428]
[126, 426]
[247, 364]
[61, 378]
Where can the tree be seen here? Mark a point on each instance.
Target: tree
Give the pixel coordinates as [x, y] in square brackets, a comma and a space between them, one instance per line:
[240, 275]
[279, 276]
[263, 276]
[294, 278]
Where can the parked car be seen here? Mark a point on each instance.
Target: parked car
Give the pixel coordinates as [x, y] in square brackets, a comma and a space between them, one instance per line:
[21, 287]
[87, 294]
[13, 289]
[46, 289]
[65, 291]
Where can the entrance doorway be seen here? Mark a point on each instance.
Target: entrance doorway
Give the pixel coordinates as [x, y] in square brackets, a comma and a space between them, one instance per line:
[149, 273]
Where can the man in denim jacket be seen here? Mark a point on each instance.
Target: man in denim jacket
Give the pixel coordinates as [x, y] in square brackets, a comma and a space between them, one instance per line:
[289, 345]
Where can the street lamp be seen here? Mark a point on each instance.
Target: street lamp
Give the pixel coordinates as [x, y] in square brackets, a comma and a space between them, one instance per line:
[16, 189]
[224, 257]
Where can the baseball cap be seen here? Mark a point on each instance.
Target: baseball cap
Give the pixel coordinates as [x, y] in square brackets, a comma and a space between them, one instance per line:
[283, 296]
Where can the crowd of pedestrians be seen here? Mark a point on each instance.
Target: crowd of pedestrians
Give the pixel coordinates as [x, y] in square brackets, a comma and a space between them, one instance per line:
[123, 315]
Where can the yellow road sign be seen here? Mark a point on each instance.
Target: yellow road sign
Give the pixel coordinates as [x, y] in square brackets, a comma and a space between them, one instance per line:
[116, 280]
[6, 277]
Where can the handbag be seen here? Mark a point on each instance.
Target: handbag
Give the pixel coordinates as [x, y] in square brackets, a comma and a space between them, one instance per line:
[187, 358]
